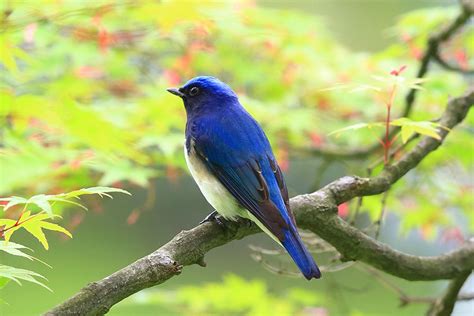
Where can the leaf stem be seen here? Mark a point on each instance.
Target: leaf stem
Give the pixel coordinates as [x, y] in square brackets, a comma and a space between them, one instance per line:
[387, 142]
[18, 223]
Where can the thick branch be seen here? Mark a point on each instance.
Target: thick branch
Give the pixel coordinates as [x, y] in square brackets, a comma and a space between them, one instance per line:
[431, 53]
[445, 304]
[316, 212]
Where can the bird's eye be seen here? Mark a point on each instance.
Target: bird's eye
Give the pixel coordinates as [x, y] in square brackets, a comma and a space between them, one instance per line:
[194, 91]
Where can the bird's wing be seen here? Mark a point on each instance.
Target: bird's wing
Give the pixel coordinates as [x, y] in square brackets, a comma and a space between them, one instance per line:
[238, 154]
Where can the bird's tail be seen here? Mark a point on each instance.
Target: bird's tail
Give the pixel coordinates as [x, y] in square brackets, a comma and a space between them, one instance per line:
[303, 259]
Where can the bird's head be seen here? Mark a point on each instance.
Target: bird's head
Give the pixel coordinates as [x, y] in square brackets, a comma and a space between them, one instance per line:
[204, 93]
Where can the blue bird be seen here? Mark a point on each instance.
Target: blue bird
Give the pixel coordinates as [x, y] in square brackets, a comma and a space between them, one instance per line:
[232, 162]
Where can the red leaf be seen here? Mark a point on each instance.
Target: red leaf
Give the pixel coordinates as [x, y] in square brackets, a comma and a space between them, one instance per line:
[29, 32]
[397, 72]
[452, 234]
[316, 139]
[172, 77]
[118, 184]
[406, 37]
[461, 58]
[77, 162]
[122, 88]
[415, 52]
[172, 174]
[282, 157]
[57, 164]
[76, 220]
[133, 217]
[183, 63]
[89, 72]
[322, 103]
[343, 210]
[103, 40]
[289, 73]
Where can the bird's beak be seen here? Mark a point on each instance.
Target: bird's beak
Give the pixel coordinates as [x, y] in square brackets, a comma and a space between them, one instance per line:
[175, 91]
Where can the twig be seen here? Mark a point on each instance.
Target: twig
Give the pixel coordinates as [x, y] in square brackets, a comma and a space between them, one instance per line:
[320, 172]
[360, 199]
[450, 67]
[445, 304]
[258, 257]
[466, 297]
[404, 298]
[378, 223]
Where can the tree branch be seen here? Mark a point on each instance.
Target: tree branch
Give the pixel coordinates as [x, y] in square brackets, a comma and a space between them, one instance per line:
[445, 304]
[406, 299]
[450, 67]
[466, 297]
[431, 53]
[432, 49]
[316, 212]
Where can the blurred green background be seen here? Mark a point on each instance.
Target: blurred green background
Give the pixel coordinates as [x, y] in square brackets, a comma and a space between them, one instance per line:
[84, 104]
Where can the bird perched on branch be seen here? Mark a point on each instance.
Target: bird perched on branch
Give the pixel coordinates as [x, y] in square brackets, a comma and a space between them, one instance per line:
[232, 162]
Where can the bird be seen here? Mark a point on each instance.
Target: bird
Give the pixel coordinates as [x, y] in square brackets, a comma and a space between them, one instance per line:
[232, 162]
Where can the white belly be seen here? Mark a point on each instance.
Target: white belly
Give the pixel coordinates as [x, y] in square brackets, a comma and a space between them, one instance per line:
[214, 192]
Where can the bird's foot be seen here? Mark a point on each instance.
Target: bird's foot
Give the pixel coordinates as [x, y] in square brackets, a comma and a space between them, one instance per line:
[214, 217]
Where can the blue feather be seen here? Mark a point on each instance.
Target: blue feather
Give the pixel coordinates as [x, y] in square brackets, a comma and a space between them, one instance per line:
[300, 254]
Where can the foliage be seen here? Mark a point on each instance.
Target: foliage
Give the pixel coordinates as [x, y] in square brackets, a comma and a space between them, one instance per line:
[385, 90]
[233, 296]
[35, 216]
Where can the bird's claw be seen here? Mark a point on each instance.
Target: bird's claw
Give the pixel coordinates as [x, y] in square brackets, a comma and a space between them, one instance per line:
[214, 217]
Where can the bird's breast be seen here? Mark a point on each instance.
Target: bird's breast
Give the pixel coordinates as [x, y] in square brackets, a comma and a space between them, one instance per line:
[214, 192]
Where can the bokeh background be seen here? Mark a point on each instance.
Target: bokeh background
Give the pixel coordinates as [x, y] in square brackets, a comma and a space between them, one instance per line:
[83, 103]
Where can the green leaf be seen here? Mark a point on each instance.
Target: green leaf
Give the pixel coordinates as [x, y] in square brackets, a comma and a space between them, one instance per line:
[43, 200]
[16, 275]
[7, 54]
[12, 201]
[17, 250]
[408, 127]
[116, 170]
[356, 127]
[14, 249]
[56, 199]
[406, 132]
[10, 226]
[34, 224]
[3, 281]
[101, 191]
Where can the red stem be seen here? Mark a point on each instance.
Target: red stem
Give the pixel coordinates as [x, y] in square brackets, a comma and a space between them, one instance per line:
[387, 143]
[17, 223]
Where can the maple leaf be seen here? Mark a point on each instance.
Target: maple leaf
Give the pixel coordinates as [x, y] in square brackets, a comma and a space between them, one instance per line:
[34, 224]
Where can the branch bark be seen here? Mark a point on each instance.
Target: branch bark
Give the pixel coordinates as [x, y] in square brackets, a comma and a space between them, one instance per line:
[316, 212]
